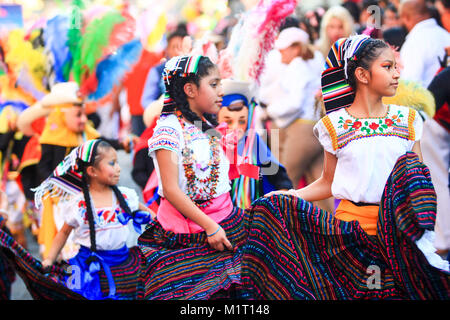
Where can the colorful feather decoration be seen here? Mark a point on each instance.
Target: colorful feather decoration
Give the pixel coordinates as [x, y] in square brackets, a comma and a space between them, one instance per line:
[74, 34]
[121, 34]
[93, 42]
[25, 64]
[253, 37]
[58, 52]
[111, 70]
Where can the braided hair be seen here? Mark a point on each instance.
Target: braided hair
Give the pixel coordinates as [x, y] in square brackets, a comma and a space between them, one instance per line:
[364, 59]
[99, 148]
[176, 92]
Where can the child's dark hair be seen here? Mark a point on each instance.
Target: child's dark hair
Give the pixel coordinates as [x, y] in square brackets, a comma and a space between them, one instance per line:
[176, 92]
[364, 59]
[101, 147]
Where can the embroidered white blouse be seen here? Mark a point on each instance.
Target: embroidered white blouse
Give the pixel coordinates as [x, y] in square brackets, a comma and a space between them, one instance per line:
[110, 233]
[367, 149]
[168, 134]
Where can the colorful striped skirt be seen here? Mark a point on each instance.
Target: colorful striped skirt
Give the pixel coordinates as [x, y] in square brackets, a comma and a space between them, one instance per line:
[184, 266]
[284, 248]
[295, 250]
[53, 283]
[7, 275]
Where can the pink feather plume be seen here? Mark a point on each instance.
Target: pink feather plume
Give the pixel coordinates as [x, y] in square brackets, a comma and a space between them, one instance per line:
[252, 38]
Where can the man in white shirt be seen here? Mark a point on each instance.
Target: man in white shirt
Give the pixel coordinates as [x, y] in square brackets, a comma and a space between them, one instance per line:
[424, 45]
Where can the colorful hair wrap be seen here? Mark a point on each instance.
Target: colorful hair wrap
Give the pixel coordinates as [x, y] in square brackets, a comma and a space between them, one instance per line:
[180, 66]
[66, 179]
[336, 91]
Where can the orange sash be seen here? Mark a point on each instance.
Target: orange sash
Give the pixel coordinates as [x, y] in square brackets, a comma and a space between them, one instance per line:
[367, 216]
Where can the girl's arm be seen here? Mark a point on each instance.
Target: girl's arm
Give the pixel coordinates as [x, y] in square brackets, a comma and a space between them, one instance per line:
[142, 207]
[416, 149]
[319, 189]
[168, 166]
[57, 245]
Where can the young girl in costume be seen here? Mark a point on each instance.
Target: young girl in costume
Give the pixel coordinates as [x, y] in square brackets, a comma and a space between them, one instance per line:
[191, 252]
[66, 127]
[237, 112]
[379, 243]
[98, 211]
[191, 175]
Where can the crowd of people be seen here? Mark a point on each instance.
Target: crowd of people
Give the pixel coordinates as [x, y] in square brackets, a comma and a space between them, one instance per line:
[279, 155]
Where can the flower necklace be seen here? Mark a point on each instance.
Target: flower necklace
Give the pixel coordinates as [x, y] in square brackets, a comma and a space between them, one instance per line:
[196, 187]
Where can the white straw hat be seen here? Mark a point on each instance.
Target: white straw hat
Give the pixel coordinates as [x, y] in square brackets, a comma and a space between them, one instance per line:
[289, 36]
[62, 93]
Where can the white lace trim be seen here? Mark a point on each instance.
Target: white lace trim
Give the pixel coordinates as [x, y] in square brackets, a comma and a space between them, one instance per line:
[425, 244]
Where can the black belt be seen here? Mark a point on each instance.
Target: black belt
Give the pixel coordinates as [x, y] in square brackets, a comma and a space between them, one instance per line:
[363, 204]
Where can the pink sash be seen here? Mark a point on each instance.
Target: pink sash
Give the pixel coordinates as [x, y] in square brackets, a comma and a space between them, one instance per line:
[172, 220]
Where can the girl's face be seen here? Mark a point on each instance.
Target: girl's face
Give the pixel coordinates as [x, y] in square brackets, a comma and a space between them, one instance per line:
[107, 170]
[384, 74]
[236, 120]
[75, 118]
[290, 53]
[335, 29]
[207, 97]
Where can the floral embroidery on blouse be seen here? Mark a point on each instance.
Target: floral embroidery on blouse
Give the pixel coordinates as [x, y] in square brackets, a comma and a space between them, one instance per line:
[103, 217]
[349, 128]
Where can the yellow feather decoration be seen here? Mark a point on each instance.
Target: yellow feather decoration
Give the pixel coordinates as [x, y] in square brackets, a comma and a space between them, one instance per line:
[412, 94]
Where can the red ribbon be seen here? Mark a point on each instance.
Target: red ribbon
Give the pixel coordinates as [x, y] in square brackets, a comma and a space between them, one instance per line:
[238, 165]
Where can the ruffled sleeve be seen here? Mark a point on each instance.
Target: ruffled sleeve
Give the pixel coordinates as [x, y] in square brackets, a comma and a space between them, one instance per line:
[131, 198]
[167, 135]
[323, 130]
[73, 211]
[415, 124]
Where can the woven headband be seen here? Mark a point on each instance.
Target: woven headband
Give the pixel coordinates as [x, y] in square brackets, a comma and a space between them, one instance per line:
[180, 66]
[336, 91]
[66, 180]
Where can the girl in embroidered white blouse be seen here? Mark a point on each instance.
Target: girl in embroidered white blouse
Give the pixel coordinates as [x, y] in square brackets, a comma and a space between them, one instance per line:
[192, 168]
[361, 136]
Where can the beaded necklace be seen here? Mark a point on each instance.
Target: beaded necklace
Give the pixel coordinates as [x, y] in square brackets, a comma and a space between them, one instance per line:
[197, 186]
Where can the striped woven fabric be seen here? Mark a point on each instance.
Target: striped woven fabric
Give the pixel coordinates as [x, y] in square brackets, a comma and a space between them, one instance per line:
[50, 285]
[7, 275]
[410, 195]
[184, 266]
[336, 91]
[298, 251]
[39, 285]
[126, 277]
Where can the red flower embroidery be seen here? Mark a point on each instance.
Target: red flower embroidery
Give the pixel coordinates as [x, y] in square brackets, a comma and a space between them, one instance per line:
[388, 122]
[357, 125]
[373, 126]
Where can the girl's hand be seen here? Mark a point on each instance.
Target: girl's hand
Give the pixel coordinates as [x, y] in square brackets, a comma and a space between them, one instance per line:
[290, 192]
[47, 263]
[218, 240]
